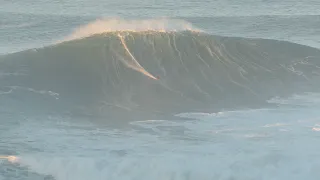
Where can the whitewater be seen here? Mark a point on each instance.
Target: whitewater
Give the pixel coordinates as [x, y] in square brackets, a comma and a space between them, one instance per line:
[159, 90]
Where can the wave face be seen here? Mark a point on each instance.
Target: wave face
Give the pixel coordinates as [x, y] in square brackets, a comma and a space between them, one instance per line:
[152, 74]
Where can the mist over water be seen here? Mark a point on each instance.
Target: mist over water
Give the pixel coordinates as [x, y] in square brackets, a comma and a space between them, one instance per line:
[159, 90]
[106, 25]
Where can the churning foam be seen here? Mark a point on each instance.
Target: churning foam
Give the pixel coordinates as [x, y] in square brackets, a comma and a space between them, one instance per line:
[121, 25]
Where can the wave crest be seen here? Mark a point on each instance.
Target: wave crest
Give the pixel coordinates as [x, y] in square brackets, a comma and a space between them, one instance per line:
[106, 25]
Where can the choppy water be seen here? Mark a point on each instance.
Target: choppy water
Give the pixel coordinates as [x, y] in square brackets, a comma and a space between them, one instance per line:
[92, 109]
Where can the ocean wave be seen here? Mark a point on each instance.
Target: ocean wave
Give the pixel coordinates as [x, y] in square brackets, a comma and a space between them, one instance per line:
[146, 73]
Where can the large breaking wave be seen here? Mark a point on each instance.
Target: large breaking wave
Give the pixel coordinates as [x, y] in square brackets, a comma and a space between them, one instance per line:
[143, 73]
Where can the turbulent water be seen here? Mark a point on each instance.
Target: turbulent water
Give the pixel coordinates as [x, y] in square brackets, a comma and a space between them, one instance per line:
[182, 97]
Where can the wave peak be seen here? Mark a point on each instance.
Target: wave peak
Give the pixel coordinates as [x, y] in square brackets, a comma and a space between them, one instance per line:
[108, 25]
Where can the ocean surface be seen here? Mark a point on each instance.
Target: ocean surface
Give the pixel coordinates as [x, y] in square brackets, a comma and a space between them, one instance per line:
[164, 90]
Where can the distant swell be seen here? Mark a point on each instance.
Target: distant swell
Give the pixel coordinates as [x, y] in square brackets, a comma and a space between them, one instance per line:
[151, 74]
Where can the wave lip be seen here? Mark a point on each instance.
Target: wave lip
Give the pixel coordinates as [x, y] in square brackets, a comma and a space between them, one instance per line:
[106, 25]
[154, 75]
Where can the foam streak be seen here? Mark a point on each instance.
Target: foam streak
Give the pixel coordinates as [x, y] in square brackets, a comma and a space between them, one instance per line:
[137, 66]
